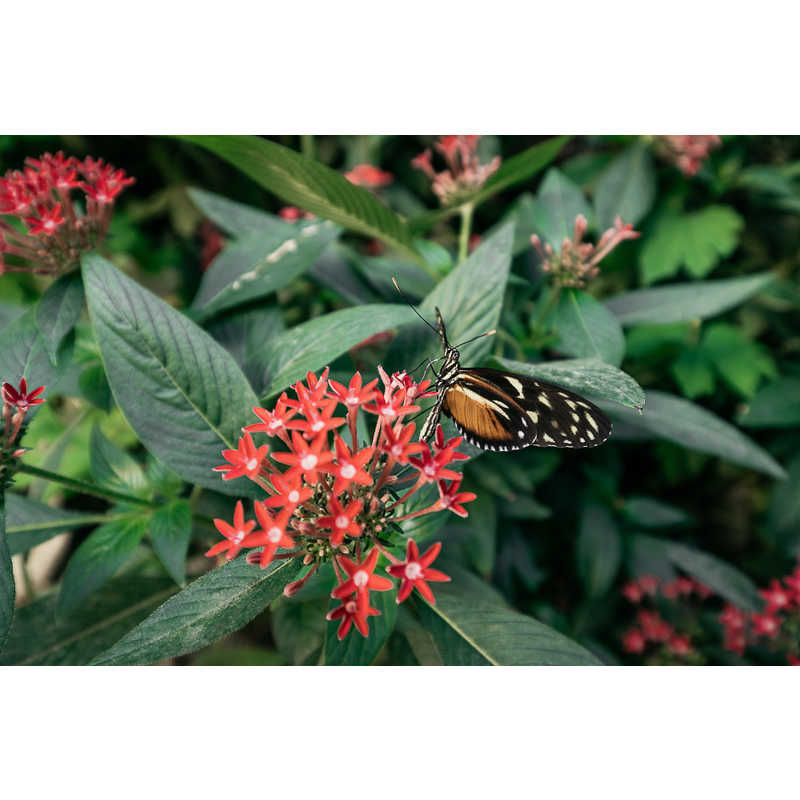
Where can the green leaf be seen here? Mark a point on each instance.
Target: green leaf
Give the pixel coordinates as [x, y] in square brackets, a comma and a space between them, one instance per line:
[777, 405]
[311, 186]
[689, 425]
[651, 513]
[356, 650]
[93, 385]
[378, 272]
[113, 467]
[182, 393]
[97, 559]
[585, 376]
[472, 625]
[685, 301]
[259, 264]
[740, 361]
[58, 310]
[693, 373]
[512, 171]
[316, 343]
[7, 586]
[298, 628]
[481, 545]
[237, 219]
[210, 607]
[627, 188]
[599, 550]
[697, 241]
[783, 518]
[587, 329]
[39, 637]
[558, 202]
[29, 523]
[171, 530]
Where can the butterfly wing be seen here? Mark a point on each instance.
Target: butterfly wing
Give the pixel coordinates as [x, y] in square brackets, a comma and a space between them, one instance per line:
[507, 411]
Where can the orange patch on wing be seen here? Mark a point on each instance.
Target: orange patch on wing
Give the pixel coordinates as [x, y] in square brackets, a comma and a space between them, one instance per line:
[474, 416]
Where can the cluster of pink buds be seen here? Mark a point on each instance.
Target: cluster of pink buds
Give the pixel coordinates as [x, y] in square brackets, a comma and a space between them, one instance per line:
[294, 214]
[50, 234]
[333, 502]
[652, 634]
[369, 177]
[687, 153]
[577, 261]
[777, 626]
[464, 174]
[16, 404]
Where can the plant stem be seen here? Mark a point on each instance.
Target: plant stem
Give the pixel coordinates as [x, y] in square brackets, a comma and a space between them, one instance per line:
[549, 306]
[84, 486]
[466, 226]
[307, 146]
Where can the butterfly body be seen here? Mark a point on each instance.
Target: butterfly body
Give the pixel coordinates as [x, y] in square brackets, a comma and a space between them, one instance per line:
[500, 411]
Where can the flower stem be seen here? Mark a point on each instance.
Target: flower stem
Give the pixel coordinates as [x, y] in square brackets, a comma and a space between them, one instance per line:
[466, 226]
[548, 307]
[307, 146]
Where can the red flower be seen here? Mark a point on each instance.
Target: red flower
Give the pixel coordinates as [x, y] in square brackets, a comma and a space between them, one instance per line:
[702, 591]
[341, 520]
[632, 592]
[349, 612]
[272, 534]
[47, 222]
[450, 498]
[291, 491]
[449, 447]
[735, 641]
[765, 625]
[234, 535]
[653, 626]
[396, 441]
[792, 660]
[361, 580]
[272, 422]
[312, 392]
[679, 645]
[247, 460]
[776, 596]
[349, 466]
[307, 457]
[293, 214]
[633, 641]
[317, 421]
[354, 395]
[732, 618]
[368, 176]
[390, 408]
[21, 398]
[415, 571]
[792, 582]
[648, 584]
[433, 468]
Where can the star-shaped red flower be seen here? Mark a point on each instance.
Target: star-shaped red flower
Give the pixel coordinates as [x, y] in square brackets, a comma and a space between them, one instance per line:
[353, 395]
[398, 444]
[246, 460]
[291, 491]
[432, 468]
[318, 419]
[361, 580]
[440, 446]
[306, 457]
[450, 498]
[272, 422]
[349, 466]
[234, 534]
[272, 533]
[47, 222]
[341, 520]
[21, 398]
[350, 614]
[415, 571]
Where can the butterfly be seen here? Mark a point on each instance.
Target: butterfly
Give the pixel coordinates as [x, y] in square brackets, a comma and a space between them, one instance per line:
[498, 410]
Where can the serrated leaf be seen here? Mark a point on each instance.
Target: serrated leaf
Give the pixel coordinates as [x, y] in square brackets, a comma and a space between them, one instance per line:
[237, 219]
[7, 587]
[598, 553]
[97, 559]
[587, 329]
[259, 264]
[685, 301]
[170, 531]
[558, 202]
[740, 361]
[311, 186]
[57, 311]
[316, 343]
[585, 376]
[182, 393]
[651, 513]
[471, 624]
[298, 627]
[210, 607]
[40, 638]
[777, 405]
[113, 467]
[693, 373]
[689, 425]
[356, 650]
[627, 188]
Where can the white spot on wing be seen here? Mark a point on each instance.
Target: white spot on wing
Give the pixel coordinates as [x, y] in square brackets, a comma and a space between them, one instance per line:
[542, 398]
[516, 384]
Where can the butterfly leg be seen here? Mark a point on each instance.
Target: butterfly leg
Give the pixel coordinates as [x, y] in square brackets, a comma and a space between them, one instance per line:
[430, 423]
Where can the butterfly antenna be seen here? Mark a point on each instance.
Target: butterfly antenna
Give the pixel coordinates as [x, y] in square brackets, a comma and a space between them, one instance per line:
[492, 332]
[411, 305]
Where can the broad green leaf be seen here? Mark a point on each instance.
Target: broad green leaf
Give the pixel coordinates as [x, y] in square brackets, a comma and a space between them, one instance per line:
[29, 523]
[298, 627]
[97, 559]
[93, 385]
[472, 625]
[599, 550]
[587, 329]
[777, 405]
[311, 186]
[378, 272]
[259, 264]
[481, 545]
[113, 467]
[316, 343]
[39, 637]
[685, 301]
[356, 650]
[223, 655]
[237, 219]
[647, 555]
[58, 310]
[627, 188]
[7, 586]
[333, 272]
[783, 518]
[182, 393]
[512, 171]
[694, 373]
[697, 240]
[689, 425]
[585, 376]
[740, 361]
[170, 531]
[419, 639]
[651, 513]
[210, 607]
[558, 202]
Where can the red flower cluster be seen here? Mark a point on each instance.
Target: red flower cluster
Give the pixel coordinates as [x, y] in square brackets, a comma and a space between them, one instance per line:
[777, 626]
[464, 174]
[294, 214]
[687, 153]
[53, 235]
[369, 177]
[16, 404]
[337, 499]
[576, 262]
